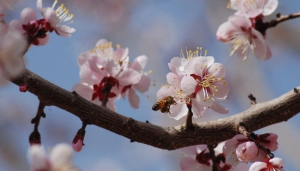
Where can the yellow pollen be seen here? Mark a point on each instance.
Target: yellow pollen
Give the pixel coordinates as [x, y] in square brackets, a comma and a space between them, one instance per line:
[150, 72]
[118, 46]
[224, 83]
[216, 69]
[228, 5]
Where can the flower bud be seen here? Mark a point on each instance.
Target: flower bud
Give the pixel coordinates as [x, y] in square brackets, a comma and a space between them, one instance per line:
[23, 87]
[35, 138]
[78, 140]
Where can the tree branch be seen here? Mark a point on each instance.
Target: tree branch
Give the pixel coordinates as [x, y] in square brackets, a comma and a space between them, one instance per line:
[170, 138]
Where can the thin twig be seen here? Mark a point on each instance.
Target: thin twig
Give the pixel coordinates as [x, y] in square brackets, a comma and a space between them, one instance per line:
[213, 157]
[252, 99]
[40, 113]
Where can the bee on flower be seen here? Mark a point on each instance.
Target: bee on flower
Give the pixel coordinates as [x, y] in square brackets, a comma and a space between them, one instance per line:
[196, 82]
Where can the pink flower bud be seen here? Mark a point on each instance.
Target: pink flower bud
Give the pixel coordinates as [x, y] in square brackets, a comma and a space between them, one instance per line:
[23, 87]
[247, 151]
[77, 145]
[78, 140]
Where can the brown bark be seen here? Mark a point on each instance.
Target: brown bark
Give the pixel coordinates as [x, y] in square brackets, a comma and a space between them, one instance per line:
[258, 116]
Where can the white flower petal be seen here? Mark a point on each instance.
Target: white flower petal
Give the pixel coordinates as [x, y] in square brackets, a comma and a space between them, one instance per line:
[178, 111]
[144, 84]
[133, 98]
[188, 84]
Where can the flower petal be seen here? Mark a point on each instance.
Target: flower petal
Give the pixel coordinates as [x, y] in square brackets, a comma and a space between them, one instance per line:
[217, 70]
[270, 7]
[61, 156]
[260, 46]
[38, 158]
[188, 164]
[219, 108]
[174, 79]
[144, 84]
[164, 91]
[133, 98]
[191, 150]
[178, 111]
[64, 30]
[258, 166]
[188, 84]
[27, 15]
[139, 63]
[129, 77]
[83, 90]
[197, 108]
[277, 162]
[39, 5]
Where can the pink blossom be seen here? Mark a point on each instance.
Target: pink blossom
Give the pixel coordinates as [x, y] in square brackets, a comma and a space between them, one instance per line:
[241, 148]
[195, 159]
[238, 31]
[60, 158]
[30, 26]
[246, 151]
[54, 18]
[142, 86]
[196, 82]
[275, 164]
[104, 69]
[182, 99]
[253, 8]
[77, 145]
[230, 149]
[269, 140]
[204, 80]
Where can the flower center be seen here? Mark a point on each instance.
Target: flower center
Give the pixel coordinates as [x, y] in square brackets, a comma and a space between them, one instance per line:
[207, 84]
[242, 42]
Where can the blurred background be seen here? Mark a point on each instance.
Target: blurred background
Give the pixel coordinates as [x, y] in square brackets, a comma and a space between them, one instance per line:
[158, 29]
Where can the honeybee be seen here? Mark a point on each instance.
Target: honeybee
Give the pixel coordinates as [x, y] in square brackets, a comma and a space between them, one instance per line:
[164, 104]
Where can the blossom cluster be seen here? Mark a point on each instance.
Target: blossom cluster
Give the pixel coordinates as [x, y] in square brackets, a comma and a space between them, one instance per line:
[195, 82]
[107, 73]
[244, 29]
[234, 154]
[29, 30]
[196, 158]
[36, 29]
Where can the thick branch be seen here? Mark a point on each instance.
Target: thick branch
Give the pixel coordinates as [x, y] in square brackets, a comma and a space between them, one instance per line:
[171, 138]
